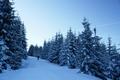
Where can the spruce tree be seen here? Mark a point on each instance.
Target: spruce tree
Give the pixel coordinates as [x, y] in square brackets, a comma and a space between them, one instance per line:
[36, 51]
[91, 62]
[63, 54]
[3, 56]
[114, 56]
[10, 30]
[40, 51]
[87, 45]
[31, 50]
[52, 52]
[79, 53]
[55, 48]
[98, 57]
[45, 50]
[71, 49]
[23, 40]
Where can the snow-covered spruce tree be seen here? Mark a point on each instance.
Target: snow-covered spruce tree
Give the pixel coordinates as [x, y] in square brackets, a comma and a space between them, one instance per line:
[104, 57]
[63, 54]
[55, 48]
[40, 51]
[114, 56]
[23, 43]
[51, 50]
[45, 50]
[98, 58]
[3, 56]
[31, 50]
[79, 57]
[91, 63]
[36, 51]
[20, 37]
[87, 44]
[71, 49]
[115, 64]
[6, 17]
[11, 34]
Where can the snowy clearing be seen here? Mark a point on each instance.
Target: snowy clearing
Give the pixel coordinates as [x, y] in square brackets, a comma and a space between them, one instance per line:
[43, 70]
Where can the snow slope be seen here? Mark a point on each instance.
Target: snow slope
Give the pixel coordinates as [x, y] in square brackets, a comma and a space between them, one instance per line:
[42, 70]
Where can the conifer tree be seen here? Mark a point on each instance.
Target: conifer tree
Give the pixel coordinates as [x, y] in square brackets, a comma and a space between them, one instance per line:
[91, 62]
[23, 40]
[31, 50]
[45, 50]
[36, 51]
[98, 50]
[63, 55]
[3, 56]
[10, 30]
[87, 45]
[71, 49]
[55, 48]
[114, 56]
[79, 53]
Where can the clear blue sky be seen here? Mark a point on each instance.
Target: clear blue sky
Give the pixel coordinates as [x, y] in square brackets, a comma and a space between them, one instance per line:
[43, 18]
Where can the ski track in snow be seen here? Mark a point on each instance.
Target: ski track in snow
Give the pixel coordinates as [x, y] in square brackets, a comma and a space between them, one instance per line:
[34, 69]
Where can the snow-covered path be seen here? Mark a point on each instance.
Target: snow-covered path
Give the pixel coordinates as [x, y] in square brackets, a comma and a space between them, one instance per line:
[42, 70]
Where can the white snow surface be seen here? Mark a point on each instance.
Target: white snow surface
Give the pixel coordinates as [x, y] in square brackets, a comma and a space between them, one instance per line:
[34, 69]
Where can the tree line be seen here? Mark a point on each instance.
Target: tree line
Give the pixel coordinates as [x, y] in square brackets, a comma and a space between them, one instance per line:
[12, 37]
[84, 51]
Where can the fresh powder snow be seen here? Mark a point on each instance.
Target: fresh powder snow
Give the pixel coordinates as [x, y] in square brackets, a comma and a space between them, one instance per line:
[33, 69]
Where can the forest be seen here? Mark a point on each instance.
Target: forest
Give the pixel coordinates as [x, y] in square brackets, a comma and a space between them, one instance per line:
[84, 51]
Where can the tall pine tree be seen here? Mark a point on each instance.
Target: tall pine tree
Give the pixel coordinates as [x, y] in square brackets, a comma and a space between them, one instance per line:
[55, 49]
[87, 45]
[63, 54]
[71, 49]
[11, 31]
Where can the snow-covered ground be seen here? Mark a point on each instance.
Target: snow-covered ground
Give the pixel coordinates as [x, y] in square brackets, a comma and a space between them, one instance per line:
[43, 70]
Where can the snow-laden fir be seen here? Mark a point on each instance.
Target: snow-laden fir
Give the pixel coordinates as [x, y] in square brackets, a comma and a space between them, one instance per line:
[33, 69]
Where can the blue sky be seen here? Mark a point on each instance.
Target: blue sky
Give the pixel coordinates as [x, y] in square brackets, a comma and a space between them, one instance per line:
[43, 18]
